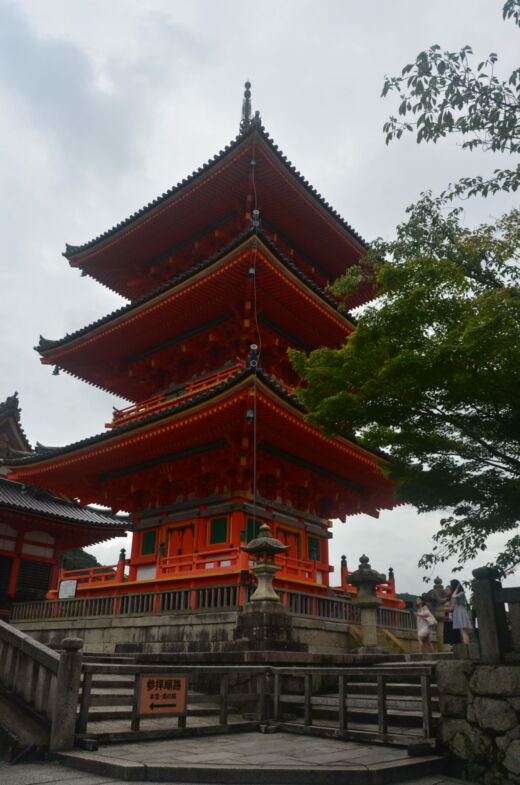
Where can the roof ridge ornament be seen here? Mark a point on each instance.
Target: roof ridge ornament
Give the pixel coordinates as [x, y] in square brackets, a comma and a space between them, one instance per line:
[245, 122]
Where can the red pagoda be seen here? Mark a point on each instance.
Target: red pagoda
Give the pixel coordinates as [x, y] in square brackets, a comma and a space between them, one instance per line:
[223, 273]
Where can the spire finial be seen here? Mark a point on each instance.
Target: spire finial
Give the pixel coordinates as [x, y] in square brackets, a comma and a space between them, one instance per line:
[246, 109]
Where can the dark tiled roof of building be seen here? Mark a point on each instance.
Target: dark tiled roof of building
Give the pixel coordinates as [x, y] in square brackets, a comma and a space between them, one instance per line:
[25, 497]
[73, 250]
[45, 344]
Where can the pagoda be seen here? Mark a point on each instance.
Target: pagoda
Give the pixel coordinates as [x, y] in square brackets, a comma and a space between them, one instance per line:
[223, 274]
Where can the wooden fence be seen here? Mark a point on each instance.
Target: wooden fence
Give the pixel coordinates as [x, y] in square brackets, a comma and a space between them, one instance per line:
[348, 703]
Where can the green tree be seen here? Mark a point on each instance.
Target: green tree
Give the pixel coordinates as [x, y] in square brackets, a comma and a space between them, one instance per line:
[443, 93]
[431, 374]
[78, 559]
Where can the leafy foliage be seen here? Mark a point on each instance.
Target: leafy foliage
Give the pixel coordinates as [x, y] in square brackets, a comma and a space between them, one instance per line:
[77, 559]
[443, 93]
[432, 372]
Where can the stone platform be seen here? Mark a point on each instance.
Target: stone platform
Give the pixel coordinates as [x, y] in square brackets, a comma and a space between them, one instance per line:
[256, 759]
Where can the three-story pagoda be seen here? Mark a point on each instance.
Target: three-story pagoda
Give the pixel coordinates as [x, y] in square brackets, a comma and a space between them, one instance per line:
[223, 273]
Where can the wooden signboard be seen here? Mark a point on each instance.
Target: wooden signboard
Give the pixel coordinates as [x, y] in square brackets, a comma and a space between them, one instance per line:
[159, 695]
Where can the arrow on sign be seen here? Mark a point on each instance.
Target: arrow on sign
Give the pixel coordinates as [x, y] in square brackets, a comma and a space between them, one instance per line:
[163, 706]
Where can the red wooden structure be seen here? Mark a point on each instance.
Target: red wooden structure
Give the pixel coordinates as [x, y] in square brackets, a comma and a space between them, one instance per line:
[223, 274]
[36, 527]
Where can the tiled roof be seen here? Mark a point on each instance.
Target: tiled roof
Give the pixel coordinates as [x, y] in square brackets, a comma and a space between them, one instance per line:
[25, 497]
[73, 250]
[45, 344]
[186, 403]
[42, 452]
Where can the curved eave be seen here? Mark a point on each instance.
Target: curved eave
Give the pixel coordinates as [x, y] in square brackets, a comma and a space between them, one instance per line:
[203, 401]
[51, 351]
[78, 255]
[105, 531]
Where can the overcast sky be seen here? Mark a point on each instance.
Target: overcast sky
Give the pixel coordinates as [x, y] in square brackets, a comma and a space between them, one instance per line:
[104, 105]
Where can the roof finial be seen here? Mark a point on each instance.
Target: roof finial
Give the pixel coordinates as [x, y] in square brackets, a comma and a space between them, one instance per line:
[246, 109]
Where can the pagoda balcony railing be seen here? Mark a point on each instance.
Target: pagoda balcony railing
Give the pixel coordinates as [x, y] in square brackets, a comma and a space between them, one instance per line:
[152, 405]
[225, 559]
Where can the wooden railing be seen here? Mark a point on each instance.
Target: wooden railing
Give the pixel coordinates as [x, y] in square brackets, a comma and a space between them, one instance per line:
[202, 598]
[42, 681]
[152, 405]
[224, 597]
[499, 637]
[397, 618]
[348, 703]
[346, 720]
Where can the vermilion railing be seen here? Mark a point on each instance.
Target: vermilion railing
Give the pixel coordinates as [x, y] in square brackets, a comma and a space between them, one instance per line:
[151, 405]
[190, 563]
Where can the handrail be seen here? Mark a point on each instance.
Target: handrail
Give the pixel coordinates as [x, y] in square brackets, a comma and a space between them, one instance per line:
[43, 681]
[265, 689]
[150, 405]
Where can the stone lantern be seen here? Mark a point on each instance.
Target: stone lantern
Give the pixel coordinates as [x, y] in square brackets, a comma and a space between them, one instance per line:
[437, 596]
[366, 579]
[265, 625]
[264, 548]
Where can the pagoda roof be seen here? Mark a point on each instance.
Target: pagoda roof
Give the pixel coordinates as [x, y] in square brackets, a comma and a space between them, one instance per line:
[42, 452]
[131, 453]
[26, 498]
[77, 352]
[45, 344]
[152, 230]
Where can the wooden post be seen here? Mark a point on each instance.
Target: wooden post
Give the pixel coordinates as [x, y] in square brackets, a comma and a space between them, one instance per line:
[342, 714]
[307, 706]
[491, 615]
[381, 705]
[224, 689]
[85, 702]
[426, 706]
[63, 726]
[276, 695]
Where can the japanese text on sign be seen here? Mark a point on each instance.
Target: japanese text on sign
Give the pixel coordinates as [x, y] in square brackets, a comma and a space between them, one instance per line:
[162, 694]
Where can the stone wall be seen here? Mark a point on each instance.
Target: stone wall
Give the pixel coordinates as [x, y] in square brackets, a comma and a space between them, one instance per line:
[193, 633]
[480, 729]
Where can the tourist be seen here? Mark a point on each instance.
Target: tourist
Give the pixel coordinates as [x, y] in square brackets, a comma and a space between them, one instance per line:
[461, 620]
[450, 636]
[425, 622]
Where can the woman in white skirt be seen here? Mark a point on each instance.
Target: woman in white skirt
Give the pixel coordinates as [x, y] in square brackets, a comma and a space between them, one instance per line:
[461, 620]
[425, 623]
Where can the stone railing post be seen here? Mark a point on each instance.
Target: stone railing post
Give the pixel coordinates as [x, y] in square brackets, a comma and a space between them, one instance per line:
[64, 711]
[491, 616]
[366, 579]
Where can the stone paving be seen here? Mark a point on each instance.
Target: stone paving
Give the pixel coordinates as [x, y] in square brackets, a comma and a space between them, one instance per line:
[41, 773]
[234, 751]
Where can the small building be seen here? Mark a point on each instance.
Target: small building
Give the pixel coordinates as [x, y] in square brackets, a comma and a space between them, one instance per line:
[37, 526]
